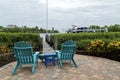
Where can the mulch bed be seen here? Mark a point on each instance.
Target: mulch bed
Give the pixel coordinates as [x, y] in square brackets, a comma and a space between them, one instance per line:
[9, 57]
[6, 58]
[107, 55]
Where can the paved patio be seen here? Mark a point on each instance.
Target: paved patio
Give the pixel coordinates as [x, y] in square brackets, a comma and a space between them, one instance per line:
[89, 68]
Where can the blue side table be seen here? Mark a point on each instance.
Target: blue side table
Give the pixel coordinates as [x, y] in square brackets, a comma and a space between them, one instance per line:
[49, 58]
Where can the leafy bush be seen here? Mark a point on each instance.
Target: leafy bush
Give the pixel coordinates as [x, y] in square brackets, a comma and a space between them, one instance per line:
[114, 46]
[8, 39]
[83, 39]
[3, 49]
[85, 36]
[82, 45]
[96, 46]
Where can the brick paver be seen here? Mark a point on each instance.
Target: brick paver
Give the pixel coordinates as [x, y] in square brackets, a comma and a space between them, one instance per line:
[89, 68]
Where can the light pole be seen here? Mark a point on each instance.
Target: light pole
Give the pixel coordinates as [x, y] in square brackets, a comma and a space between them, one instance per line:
[46, 20]
[47, 16]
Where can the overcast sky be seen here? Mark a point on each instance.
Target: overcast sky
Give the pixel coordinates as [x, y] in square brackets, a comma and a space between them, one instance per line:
[61, 13]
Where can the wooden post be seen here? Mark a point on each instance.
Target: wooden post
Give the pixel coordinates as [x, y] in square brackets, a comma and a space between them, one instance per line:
[41, 44]
[46, 38]
[55, 43]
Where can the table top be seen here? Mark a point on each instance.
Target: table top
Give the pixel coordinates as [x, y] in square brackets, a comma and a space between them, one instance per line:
[49, 53]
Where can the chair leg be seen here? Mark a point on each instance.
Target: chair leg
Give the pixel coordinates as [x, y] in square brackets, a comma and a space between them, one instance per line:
[15, 68]
[33, 68]
[54, 62]
[46, 63]
[60, 62]
[74, 63]
[20, 66]
[37, 62]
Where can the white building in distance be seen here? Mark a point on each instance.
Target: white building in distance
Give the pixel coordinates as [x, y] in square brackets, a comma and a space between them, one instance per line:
[11, 26]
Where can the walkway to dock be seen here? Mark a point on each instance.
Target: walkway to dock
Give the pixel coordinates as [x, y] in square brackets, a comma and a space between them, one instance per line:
[46, 47]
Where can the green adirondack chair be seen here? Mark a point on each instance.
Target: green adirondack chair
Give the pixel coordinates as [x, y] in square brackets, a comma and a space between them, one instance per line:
[67, 52]
[23, 53]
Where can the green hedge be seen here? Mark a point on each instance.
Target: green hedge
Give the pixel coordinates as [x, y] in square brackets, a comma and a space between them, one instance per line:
[83, 38]
[8, 39]
[83, 41]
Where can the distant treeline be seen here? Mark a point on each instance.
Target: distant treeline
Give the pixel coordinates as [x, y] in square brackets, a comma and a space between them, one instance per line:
[26, 29]
[111, 28]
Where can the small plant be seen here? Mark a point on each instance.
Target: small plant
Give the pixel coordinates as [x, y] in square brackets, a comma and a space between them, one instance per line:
[96, 46]
[3, 49]
[114, 46]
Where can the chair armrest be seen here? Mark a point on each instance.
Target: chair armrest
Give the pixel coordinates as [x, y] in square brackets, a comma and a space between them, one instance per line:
[58, 53]
[41, 56]
[35, 56]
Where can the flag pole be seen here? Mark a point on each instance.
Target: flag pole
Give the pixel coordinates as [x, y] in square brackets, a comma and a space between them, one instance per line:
[47, 16]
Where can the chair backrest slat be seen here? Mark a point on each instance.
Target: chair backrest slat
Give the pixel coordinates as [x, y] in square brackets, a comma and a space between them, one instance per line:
[68, 50]
[23, 52]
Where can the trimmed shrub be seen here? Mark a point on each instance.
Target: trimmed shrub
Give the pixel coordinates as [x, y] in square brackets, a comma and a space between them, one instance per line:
[8, 39]
[114, 46]
[83, 39]
[96, 46]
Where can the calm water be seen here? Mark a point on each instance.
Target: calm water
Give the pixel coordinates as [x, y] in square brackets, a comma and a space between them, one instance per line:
[43, 35]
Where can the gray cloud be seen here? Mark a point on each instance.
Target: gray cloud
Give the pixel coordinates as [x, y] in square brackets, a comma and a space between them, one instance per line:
[61, 13]
[21, 12]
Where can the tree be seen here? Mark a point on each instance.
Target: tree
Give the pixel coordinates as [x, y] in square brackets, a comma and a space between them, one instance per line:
[1, 27]
[36, 27]
[114, 28]
[25, 29]
[24, 26]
